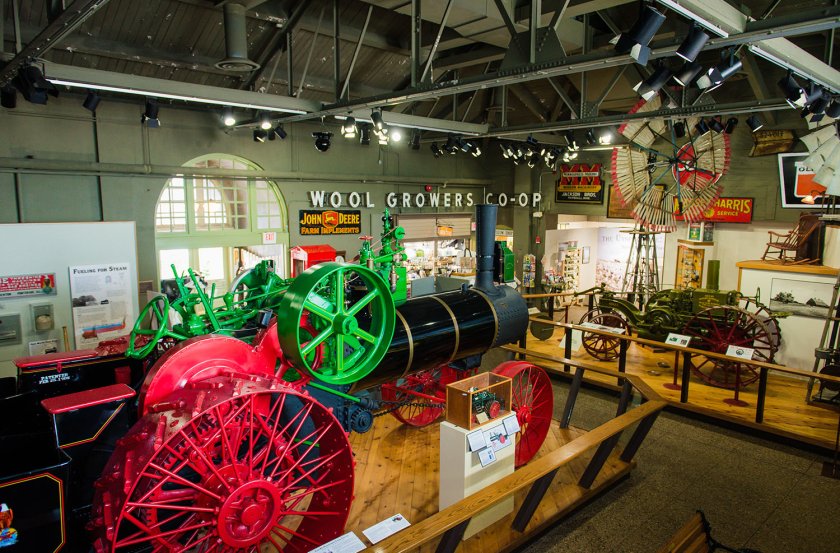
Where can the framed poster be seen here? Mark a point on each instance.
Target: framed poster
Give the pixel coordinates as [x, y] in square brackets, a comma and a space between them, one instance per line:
[580, 183]
[614, 208]
[102, 302]
[797, 181]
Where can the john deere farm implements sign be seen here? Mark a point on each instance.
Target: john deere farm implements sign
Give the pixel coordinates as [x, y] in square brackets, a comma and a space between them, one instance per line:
[327, 222]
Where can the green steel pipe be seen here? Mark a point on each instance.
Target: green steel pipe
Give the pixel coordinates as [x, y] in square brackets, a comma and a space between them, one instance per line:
[314, 384]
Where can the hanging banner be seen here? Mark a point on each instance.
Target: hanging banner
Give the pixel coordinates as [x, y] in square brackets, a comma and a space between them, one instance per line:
[727, 210]
[797, 181]
[27, 285]
[102, 304]
[580, 183]
[324, 222]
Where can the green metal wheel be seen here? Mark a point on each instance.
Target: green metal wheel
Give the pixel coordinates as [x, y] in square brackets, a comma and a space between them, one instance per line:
[352, 313]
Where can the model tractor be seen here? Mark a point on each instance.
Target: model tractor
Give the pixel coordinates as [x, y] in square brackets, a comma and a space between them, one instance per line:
[714, 319]
[231, 433]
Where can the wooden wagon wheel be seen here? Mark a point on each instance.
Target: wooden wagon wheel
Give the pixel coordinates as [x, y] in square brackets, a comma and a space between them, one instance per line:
[603, 348]
[715, 329]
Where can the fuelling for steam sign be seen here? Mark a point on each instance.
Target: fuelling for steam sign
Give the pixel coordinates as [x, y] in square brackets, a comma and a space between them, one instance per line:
[580, 182]
[321, 222]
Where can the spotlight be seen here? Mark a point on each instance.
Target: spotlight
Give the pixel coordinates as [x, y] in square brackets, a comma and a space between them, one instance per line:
[833, 110]
[322, 140]
[637, 39]
[507, 151]
[679, 129]
[605, 137]
[265, 122]
[532, 161]
[395, 135]
[464, 145]
[754, 123]
[451, 146]
[91, 101]
[364, 135]
[381, 136]
[435, 149]
[570, 140]
[812, 93]
[716, 125]
[693, 43]
[590, 137]
[227, 117]
[474, 148]
[348, 129]
[271, 134]
[376, 117]
[415, 139]
[8, 97]
[687, 73]
[730, 125]
[260, 135]
[648, 88]
[33, 86]
[150, 115]
[702, 127]
[278, 130]
[794, 94]
[715, 76]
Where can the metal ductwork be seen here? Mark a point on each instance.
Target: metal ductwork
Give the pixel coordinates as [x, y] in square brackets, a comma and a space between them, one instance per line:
[236, 41]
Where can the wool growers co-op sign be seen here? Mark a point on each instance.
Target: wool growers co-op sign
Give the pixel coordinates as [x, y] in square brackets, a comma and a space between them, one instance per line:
[323, 198]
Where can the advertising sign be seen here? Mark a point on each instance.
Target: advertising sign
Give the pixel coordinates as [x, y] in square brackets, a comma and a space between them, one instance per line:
[797, 181]
[728, 210]
[325, 222]
[27, 285]
[580, 183]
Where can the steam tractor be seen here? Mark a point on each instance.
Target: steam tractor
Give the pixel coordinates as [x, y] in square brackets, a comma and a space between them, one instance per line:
[227, 430]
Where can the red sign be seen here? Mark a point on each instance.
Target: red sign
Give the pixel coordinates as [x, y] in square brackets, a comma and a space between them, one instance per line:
[728, 210]
[580, 182]
[27, 285]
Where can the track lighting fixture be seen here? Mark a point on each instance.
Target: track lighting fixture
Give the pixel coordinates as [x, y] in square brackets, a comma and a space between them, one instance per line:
[590, 137]
[322, 140]
[91, 101]
[605, 136]
[415, 139]
[471, 147]
[271, 134]
[532, 161]
[364, 134]
[278, 130]
[679, 129]
[260, 135]
[8, 97]
[451, 146]
[265, 122]
[794, 93]
[715, 76]
[754, 123]
[227, 117]
[33, 86]
[376, 117]
[701, 127]
[636, 40]
[507, 151]
[833, 109]
[381, 137]
[648, 88]
[150, 115]
[435, 149]
[348, 129]
[817, 108]
[693, 43]
[687, 73]
[730, 125]
[571, 141]
[716, 124]
[395, 134]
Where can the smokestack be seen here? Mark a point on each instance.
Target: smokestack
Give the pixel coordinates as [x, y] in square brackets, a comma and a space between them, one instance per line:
[485, 233]
[236, 41]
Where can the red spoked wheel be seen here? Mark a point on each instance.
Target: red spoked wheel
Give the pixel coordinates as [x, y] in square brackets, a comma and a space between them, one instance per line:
[230, 464]
[420, 393]
[715, 329]
[533, 402]
[603, 348]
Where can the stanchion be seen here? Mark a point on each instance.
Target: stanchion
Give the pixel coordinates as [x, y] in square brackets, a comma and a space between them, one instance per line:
[735, 401]
[674, 385]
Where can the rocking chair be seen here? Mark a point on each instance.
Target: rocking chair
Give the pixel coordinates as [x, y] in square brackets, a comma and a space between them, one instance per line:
[793, 246]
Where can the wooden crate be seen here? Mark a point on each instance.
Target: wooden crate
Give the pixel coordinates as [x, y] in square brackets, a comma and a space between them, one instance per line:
[460, 394]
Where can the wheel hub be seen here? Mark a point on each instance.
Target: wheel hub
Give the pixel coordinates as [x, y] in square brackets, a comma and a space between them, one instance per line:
[345, 324]
[249, 513]
[523, 414]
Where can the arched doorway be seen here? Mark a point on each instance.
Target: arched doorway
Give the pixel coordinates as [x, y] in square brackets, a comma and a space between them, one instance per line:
[220, 226]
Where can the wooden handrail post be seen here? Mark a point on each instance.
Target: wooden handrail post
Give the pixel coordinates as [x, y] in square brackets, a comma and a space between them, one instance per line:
[452, 538]
[532, 501]
[572, 398]
[638, 437]
[591, 301]
[622, 356]
[551, 307]
[568, 355]
[686, 377]
[762, 394]
[603, 452]
[522, 344]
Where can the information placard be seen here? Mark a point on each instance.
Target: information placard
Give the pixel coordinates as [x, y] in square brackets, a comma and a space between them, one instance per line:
[102, 302]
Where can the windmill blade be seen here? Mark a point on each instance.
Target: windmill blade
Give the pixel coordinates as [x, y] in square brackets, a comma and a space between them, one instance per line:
[819, 137]
[643, 132]
[712, 153]
[629, 173]
[655, 210]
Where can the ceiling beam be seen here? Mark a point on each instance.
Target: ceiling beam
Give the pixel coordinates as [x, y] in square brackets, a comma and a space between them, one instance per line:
[757, 84]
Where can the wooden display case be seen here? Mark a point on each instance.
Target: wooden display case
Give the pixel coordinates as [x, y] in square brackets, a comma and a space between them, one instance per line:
[690, 263]
[467, 398]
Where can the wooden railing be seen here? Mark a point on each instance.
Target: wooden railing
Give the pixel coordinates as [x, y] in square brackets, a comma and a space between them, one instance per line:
[450, 524]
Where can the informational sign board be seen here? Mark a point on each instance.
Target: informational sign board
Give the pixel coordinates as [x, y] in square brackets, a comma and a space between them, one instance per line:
[328, 222]
[17, 286]
[102, 302]
[797, 181]
[580, 183]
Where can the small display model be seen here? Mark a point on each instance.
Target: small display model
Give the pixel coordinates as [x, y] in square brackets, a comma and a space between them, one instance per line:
[486, 406]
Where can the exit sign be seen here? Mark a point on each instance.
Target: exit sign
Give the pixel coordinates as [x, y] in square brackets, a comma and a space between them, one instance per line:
[269, 238]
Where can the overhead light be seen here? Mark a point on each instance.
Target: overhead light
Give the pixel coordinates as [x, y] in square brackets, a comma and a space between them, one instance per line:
[278, 130]
[473, 148]
[395, 134]
[271, 134]
[532, 161]
[364, 134]
[754, 123]
[730, 125]
[636, 40]
[227, 117]
[605, 137]
[648, 88]
[833, 110]
[435, 149]
[8, 97]
[716, 124]
[415, 139]
[348, 128]
[702, 127]
[33, 86]
[693, 43]
[679, 129]
[150, 115]
[260, 135]
[451, 146]
[813, 93]
[794, 93]
[571, 141]
[376, 117]
[507, 151]
[715, 76]
[322, 140]
[265, 122]
[817, 108]
[590, 137]
[91, 101]
[687, 73]
[675, 6]
[788, 64]
[381, 136]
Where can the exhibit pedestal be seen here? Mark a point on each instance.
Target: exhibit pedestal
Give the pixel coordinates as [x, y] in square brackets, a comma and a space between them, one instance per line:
[461, 474]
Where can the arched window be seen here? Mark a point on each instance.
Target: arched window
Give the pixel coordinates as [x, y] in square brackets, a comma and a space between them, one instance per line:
[220, 225]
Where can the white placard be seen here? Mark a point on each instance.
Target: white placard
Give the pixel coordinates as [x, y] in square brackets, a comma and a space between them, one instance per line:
[348, 543]
[486, 456]
[533, 310]
[740, 352]
[496, 437]
[596, 326]
[103, 307]
[577, 340]
[476, 440]
[675, 339]
[511, 425]
[387, 527]
[41, 347]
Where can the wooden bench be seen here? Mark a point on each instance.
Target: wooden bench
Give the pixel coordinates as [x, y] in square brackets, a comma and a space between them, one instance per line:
[696, 537]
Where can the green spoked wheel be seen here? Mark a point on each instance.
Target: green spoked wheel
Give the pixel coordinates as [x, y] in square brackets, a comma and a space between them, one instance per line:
[159, 308]
[352, 313]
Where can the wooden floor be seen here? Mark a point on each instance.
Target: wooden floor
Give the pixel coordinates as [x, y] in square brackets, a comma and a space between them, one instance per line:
[397, 471]
[786, 412]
